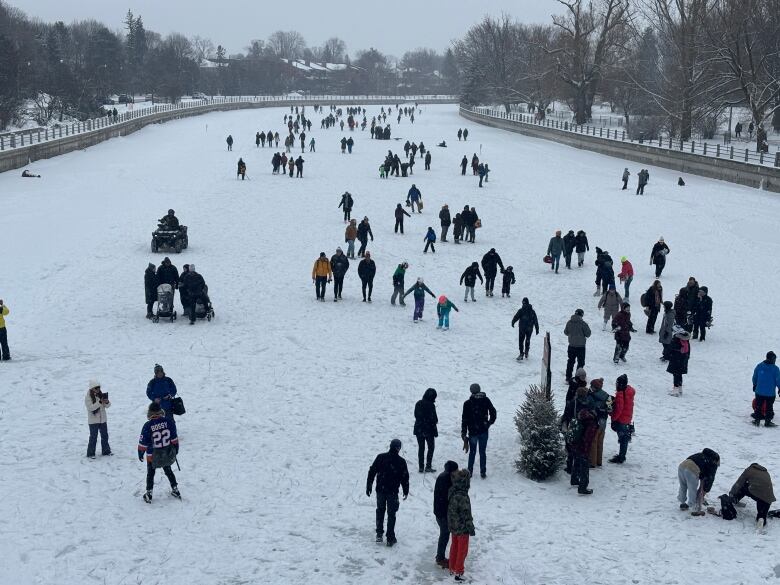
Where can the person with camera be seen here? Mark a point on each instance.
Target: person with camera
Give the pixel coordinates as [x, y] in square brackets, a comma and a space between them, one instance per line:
[5, 353]
[96, 403]
[160, 443]
[161, 390]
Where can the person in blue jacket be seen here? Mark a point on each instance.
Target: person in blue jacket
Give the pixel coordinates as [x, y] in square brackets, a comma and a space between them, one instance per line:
[414, 197]
[766, 379]
[159, 442]
[430, 240]
[161, 390]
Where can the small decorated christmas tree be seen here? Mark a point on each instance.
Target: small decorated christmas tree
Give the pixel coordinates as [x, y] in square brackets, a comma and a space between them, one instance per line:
[541, 453]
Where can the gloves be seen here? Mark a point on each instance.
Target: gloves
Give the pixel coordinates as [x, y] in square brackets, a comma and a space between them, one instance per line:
[368, 492]
[406, 496]
[140, 456]
[465, 445]
[473, 533]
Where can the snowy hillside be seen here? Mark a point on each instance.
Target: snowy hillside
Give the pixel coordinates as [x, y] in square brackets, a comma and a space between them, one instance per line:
[289, 400]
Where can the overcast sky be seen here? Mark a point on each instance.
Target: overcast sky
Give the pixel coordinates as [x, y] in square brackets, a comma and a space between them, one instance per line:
[393, 26]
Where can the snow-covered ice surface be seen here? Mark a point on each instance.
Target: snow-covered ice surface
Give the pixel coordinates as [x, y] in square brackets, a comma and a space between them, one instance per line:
[289, 400]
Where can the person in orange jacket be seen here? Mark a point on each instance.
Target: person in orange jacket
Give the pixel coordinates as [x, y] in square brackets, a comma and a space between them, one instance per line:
[321, 275]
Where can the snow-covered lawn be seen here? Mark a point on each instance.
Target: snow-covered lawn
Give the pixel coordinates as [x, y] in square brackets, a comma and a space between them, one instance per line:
[289, 399]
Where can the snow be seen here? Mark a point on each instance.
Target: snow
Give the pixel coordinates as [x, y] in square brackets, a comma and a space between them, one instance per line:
[289, 400]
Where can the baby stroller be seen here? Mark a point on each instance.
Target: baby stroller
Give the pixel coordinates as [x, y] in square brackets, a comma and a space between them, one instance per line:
[203, 309]
[164, 304]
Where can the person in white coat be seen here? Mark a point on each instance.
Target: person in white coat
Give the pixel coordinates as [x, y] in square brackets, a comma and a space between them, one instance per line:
[96, 404]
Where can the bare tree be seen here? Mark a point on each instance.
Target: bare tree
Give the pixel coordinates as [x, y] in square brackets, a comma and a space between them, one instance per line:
[202, 47]
[333, 50]
[589, 33]
[287, 44]
[745, 45]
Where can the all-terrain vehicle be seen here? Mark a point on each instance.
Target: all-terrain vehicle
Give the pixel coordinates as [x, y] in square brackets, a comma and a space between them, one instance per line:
[165, 239]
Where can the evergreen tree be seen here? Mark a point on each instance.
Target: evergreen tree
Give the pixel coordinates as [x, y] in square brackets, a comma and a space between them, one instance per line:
[541, 454]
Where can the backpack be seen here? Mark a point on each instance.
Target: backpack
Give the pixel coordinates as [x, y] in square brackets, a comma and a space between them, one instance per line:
[574, 431]
[164, 456]
[727, 509]
[643, 300]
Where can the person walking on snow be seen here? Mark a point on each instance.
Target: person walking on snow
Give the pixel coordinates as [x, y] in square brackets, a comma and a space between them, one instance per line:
[478, 416]
[346, 203]
[350, 235]
[460, 522]
[339, 264]
[602, 402]
[229, 141]
[441, 492]
[766, 379]
[658, 256]
[430, 240]
[507, 280]
[527, 323]
[626, 175]
[321, 275]
[96, 403]
[398, 283]
[160, 443]
[470, 276]
[626, 275]
[652, 300]
[425, 429]
[581, 246]
[363, 233]
[702, 314]
[611, 302]
[464, 163]
[366, 272]
[622, 327]
[419, 290]
[666, 332]
[679, 354]
[414, 197]
[443, 309]
[696, 475]
[391, 473]
[555, 249]
[241, 172]
[622, 416]
[577, 331]
[491, 262]
[150, 289]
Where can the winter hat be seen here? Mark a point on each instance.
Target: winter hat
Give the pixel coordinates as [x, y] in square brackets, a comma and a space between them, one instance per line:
[339, 250]
[158, 368]
[509, 269]
[704, 289]
[322, 255]
[623, 258]
[151, 266]
[93, 384]
[668, 305]
[475, 389]
[581, 374]
[525, 300]
[450, 466]
[492, 249]
[598, 383]
[579, 312]
[395, 445]
[771, 357]
[192, 268]
[475, 264]
[622, 382]
[442, 299]
[611, 287]
[626, 306]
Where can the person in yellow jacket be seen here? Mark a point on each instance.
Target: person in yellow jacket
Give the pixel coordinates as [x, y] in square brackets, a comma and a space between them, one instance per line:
[321, 274]
[6, 353]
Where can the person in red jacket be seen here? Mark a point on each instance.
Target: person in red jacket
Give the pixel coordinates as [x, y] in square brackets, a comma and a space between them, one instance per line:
[626, 274]
[622, 415]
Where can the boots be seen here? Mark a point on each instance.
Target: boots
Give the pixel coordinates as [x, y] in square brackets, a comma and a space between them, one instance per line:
[148, 497]
[618, 459]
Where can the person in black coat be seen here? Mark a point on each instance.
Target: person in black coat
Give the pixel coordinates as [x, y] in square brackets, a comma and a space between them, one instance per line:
[507, 281]
[658, 256]
[150, 289]
[427, 161]
[339, 264]
[446, 220]
[391, 473]
[167, 273]
[425, 421]
[399, 218]
[478, 416]
[469, 277]
[195, 290]
[581, 246]
[464, 163]
[363, 233]
[569, 243]
[441, 497]
[347, 202]
[366, 272]
[490, 264]
[527, 322]
[702, 314]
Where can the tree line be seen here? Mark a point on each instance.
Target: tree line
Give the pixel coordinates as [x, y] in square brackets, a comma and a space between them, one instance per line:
[67, 70]
[672, 66]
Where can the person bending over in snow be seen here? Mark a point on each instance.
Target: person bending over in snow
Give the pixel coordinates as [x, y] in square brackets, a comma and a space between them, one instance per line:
[696, 475]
